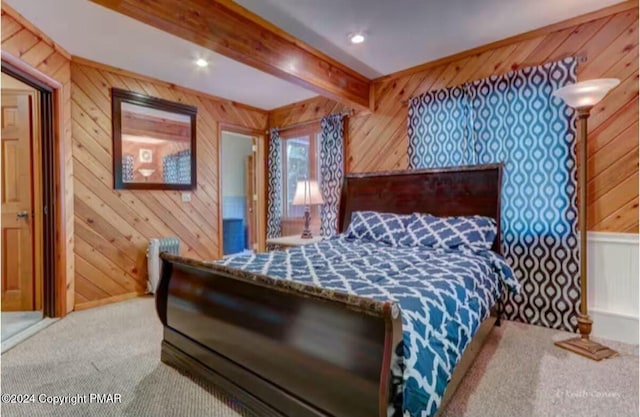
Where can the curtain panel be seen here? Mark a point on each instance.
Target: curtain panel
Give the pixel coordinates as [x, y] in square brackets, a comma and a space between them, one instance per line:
[176, 168]
[127, 168]
[274, 186]
[514, 119]
[331, 171]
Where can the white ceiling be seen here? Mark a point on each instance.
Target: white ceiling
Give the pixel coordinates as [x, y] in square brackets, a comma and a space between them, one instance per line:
[405, 33]
[90, 31]
[400, 34]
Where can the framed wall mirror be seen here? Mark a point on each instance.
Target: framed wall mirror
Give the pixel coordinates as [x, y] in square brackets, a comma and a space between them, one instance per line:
[154, 143]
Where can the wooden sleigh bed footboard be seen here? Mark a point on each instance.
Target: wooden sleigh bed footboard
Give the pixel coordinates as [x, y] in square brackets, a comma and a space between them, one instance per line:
[284, 349]
[290, 350]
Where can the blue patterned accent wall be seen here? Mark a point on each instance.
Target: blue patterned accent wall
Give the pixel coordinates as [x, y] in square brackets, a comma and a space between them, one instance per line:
[514, 119]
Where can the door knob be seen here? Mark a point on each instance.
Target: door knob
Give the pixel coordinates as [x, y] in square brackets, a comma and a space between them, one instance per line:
[22, 214]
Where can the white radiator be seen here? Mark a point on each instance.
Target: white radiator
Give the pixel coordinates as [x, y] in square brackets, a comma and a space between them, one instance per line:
[157, 246]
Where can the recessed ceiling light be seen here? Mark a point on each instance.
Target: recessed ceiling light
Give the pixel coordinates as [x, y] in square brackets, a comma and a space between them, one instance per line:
[202, 63]
[356, 37]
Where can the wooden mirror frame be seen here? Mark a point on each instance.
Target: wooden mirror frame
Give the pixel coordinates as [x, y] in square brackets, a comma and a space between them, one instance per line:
[118, 97]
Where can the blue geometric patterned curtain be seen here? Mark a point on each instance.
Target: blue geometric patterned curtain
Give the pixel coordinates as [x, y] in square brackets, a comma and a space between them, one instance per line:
[176, 168]
[274, 206]
[331, 171]
[514, 119]
[127, 168]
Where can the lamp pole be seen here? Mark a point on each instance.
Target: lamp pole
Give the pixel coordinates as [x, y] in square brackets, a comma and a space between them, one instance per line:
[584, 322]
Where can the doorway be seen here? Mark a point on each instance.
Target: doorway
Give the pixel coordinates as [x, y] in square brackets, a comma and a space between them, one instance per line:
[22, 226]
[238, 157]
[30, 284]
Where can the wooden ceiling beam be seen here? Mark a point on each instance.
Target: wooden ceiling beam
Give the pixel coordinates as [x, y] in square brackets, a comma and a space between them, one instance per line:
[230, 30]
[137, 124]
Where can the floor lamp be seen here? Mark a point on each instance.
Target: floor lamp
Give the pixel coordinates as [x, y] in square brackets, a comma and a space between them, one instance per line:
[583, 96]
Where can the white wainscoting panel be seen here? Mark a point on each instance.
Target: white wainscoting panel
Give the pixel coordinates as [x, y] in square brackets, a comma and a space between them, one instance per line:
[613, 285]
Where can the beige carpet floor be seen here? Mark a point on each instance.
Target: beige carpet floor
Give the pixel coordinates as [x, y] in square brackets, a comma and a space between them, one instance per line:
[116, 349]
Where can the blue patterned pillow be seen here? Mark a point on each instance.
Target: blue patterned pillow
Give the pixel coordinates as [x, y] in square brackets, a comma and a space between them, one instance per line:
[474, 232]
[378, 227]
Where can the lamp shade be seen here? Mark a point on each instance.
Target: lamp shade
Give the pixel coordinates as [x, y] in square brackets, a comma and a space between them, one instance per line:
[586, 94]
[307, 193]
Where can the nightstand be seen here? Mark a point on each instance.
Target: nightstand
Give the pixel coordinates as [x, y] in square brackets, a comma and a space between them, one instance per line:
[291, 241]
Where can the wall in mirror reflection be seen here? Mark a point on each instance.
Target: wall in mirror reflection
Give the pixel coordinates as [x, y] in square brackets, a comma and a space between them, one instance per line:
[156, 145]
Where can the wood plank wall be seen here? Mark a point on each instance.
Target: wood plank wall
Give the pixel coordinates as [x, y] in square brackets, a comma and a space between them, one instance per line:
[24, 41]
[377, 141]
[113, 227]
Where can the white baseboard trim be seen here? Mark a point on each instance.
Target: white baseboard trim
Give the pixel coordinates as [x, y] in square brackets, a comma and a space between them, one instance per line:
[613, 285]
[613, 326]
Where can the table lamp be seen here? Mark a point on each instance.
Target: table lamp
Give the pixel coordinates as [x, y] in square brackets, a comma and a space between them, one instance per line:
[307, 194]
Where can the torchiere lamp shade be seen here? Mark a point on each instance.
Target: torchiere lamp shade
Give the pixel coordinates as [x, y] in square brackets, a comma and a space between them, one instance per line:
[586, 94]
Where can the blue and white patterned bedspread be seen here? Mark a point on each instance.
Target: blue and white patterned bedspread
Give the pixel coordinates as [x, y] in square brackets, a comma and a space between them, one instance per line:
[444, 295]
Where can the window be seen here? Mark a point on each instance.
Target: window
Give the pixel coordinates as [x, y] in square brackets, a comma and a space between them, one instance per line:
[300, 160]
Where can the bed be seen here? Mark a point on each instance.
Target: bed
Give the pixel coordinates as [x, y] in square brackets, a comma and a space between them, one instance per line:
[293, 342]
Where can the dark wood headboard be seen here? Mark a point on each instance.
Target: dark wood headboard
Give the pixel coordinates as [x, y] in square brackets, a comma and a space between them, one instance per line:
[455, 191]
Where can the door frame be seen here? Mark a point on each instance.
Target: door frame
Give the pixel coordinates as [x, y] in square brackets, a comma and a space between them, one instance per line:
[54, 245]
[261, 186]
